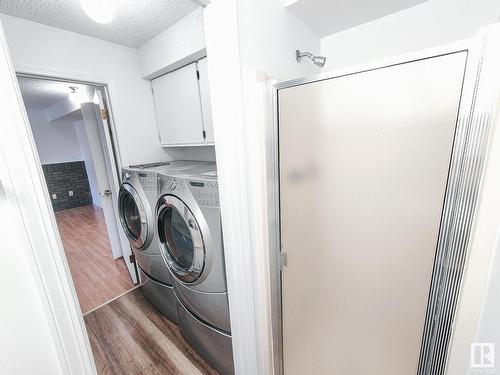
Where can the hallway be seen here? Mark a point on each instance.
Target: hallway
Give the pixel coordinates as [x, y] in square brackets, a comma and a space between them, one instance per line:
[98, 277]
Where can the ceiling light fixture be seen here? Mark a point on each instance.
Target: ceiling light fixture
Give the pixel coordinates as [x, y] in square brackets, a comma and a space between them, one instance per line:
[95, 98]
[101, 11]
[75, 96]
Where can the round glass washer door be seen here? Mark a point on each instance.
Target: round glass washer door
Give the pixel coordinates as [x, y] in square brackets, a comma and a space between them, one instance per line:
[180, 239]
[133, 217]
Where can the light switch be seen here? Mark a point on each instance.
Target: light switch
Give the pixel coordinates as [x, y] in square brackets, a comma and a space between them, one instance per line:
[71, 193]
[54, 196]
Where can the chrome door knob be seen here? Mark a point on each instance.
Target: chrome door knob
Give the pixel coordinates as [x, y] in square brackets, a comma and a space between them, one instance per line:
[105, 193]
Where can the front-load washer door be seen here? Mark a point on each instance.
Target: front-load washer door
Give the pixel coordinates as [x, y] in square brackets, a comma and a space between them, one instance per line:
[134, 217]
[180, 239]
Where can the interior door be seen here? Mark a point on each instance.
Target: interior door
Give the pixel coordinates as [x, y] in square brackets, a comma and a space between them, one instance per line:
[363, 163]
[178, 107]
[107, 179]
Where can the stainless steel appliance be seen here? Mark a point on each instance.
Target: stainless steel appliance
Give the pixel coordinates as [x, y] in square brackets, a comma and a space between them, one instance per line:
[190, 237]
[136, 202]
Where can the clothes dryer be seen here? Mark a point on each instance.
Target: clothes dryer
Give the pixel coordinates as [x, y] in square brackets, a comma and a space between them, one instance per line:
[190, 238]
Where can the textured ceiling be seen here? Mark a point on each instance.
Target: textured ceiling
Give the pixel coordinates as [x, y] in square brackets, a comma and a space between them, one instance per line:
[41, 93]
[326, 17]
[135, 22]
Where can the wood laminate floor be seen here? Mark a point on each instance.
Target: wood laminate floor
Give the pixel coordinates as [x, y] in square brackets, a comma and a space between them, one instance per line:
[98, 277]
[129, 336]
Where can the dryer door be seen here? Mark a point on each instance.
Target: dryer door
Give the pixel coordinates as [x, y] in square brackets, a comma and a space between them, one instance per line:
[180, 239]
[133, 217]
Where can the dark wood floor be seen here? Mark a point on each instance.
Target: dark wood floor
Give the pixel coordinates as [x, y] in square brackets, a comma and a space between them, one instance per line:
[98, 277]
[129, 336]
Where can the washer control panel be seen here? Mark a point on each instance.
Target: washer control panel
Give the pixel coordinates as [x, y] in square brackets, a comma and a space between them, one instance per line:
[206, 193]
[147, 181]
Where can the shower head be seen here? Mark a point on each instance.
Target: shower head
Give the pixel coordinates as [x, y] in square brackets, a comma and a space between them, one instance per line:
[317, 60]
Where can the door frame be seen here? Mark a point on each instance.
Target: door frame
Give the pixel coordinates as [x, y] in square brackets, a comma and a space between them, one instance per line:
[68, 327]
[64, 316]
[112, 154]
[475, 109]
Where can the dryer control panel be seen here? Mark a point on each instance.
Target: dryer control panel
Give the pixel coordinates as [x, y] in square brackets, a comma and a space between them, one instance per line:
[170, 184]
[206, 193]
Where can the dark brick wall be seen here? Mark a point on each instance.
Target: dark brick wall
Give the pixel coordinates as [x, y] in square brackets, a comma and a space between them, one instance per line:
[62, 178]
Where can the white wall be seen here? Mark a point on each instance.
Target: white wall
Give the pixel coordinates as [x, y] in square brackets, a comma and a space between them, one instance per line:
[247, 42]
[56, 141]
[86, 155]
[63, 140]
[176, 46]
[204, 153]
[429, 24]
[70, 55]
[269, 34]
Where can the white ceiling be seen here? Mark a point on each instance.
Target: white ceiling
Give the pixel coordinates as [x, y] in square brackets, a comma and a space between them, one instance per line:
[326, 17]
[135, 22]
[42, 94]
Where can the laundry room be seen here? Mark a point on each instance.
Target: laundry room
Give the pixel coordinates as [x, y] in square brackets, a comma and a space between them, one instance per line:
[249, 187]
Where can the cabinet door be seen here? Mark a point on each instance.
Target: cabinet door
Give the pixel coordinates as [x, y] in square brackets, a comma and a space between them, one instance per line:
[178, 107]
[206, 106]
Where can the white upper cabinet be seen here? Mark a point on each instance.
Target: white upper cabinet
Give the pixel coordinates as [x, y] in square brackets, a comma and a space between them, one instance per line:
[182, 103]
[205, 101]
[178, 107]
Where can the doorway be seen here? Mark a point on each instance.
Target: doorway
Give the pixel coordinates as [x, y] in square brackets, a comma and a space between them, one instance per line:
[71, 130]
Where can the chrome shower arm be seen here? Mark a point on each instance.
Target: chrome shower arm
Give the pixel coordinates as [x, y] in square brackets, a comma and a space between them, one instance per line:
[317, 60]
[299, 55]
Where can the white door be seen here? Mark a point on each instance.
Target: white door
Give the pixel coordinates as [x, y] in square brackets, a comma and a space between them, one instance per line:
[107, 179]
[206, 105]
[364, 163]
[178, 107]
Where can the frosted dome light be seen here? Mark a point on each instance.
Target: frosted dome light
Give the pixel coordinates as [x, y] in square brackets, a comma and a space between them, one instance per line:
[101, 11]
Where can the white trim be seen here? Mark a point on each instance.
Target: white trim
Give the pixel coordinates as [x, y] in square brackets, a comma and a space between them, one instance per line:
[257, 96]
[232, 154]
[39, 70]
[51, 269]
[76, 76]
[112, 154]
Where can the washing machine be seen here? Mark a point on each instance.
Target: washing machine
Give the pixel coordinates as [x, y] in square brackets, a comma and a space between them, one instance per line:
[190, 238]
[136, 203]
